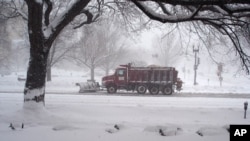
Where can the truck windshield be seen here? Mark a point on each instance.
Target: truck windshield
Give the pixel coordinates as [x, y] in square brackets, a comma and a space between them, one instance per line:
[120, 72]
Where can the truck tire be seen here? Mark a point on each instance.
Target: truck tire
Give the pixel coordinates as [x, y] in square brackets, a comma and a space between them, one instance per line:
[111, 89]
[141, 89]
[167, 90]
[154, 90]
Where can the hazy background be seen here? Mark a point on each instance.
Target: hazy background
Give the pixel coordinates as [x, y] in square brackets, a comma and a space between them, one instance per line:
[110, 44]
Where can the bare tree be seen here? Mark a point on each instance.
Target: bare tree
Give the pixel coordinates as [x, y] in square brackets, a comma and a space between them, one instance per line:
[43, 30]
[9, 8]
[115, 45]
[59, 50]
[102, 47]
[5, 48]
[168, 48]
[227, 16]
[115, 54]
[89, 50]
[56, 53]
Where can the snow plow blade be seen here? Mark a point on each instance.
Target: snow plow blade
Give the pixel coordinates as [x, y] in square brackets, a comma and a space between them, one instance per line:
[89, 86]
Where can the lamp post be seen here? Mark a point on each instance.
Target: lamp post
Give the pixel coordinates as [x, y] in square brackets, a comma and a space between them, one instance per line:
[196, 63]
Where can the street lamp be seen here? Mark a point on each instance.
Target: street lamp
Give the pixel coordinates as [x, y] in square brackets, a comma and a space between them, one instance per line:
[196, 63]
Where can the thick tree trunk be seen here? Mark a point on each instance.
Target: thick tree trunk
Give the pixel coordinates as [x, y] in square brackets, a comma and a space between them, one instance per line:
[41, 37]
[36, 74]
[35, 83]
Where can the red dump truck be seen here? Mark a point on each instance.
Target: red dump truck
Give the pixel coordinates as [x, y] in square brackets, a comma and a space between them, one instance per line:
[140, 79]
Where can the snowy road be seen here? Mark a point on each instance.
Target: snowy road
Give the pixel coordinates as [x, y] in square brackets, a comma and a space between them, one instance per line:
[214, 95]
[178, 100]
[124, 93]
[128, 101]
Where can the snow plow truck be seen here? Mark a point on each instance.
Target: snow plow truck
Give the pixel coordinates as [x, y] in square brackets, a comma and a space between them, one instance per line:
[154, 79]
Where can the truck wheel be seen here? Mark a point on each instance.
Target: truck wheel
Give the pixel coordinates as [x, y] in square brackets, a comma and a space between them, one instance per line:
[141, 89]
[167, 90]
[111, 89]
[154, 90]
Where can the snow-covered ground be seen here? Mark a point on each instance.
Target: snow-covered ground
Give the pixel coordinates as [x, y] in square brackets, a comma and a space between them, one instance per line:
[123, 118]
[69, 115]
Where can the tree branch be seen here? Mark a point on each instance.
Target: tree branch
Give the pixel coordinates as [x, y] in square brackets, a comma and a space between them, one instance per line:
[227, 16]
[164, 9]
[47, 12]
[199, 2]
[196, 12]
[89, 20]
[56, 26]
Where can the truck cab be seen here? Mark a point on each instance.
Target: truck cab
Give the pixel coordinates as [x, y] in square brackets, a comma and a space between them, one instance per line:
[118, 79]
[121, 77]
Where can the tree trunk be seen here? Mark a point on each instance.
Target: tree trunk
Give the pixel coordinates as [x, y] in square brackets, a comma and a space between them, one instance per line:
[35, 83]
[41, 37]
[49, 73]
[92, 69]
[36, 74]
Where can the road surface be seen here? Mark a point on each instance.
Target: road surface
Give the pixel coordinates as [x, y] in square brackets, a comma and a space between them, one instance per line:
[121, 99]
[125, 93]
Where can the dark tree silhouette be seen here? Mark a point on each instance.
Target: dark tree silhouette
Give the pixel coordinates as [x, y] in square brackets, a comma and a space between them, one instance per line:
[229, 17]
[42, 33]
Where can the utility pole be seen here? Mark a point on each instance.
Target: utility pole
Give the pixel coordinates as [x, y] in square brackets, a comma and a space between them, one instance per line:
[196, 63]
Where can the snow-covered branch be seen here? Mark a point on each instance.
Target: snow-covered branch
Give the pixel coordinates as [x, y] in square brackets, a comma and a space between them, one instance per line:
[90, 18]
[55, 27]
[227, 16]
[200, 2]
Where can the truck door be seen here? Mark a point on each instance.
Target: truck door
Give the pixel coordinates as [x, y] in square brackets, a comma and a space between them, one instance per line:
[121, 77]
